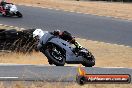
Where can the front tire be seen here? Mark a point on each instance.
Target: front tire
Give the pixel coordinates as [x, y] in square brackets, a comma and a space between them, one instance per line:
[19, 14]
[89, 61]
[55, 54]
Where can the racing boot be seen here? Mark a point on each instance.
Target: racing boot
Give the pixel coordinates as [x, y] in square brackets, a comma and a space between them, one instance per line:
[3, 13]
[77, 48]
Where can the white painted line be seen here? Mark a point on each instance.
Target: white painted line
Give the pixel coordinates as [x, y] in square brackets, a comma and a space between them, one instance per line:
[12, 26]
[72, 11]
[79, 12]
[128, 46]
[11, 64]
[50, 8]
[9, 77]
[16, 27]
[57, 9]
[6, 25]
[66, 10]
[43, 7]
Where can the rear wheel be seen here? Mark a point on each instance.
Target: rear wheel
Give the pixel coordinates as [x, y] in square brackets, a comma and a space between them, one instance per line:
[55, 54]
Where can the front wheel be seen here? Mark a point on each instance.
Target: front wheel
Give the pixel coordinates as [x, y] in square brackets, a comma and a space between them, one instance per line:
[19, 14]
[55, 54]
[89, 60]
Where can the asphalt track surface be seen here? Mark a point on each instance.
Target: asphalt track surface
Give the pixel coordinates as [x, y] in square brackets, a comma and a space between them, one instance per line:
[91, 27]
[51, 73]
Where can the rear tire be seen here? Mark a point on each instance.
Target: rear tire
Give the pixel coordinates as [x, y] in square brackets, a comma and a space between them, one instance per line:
[52, 58]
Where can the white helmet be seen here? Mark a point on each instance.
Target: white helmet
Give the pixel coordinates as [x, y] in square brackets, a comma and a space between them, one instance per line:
[39, 33]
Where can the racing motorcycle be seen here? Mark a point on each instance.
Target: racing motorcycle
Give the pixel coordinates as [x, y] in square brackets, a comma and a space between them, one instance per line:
[59, 52]
[10, 10]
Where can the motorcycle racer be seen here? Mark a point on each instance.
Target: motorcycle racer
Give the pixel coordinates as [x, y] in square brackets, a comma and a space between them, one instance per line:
[9, 9]
[38, 33]
[5, 4]
[59, 52]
